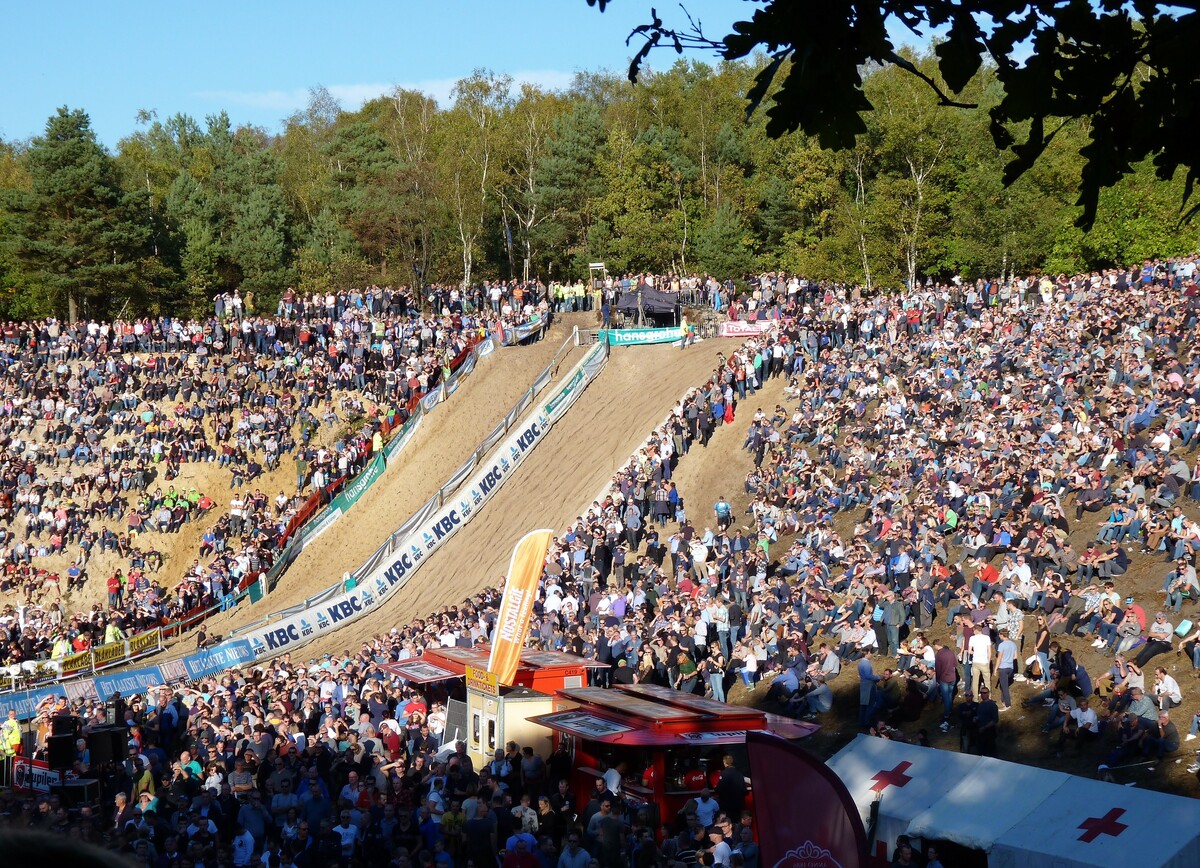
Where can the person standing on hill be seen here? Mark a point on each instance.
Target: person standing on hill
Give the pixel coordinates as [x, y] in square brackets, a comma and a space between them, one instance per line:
[633, 525]
[724, 514]
[980, 648]
[867, 679]
[946, 668]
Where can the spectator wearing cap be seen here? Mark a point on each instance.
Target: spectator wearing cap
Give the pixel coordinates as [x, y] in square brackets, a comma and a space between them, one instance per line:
[1158, 639]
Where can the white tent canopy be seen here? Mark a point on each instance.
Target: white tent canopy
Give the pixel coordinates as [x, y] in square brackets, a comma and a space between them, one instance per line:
[1088, 822]
[874, 768]
[1022, 816]
[993, 797]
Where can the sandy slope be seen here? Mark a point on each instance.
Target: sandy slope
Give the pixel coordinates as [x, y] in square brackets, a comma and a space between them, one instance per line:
[445, 439]
[704, 476]
[633, 395]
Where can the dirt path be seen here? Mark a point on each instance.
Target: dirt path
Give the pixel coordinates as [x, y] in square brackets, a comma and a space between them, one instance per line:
[445, 439]
[706, 475]
[633, 395]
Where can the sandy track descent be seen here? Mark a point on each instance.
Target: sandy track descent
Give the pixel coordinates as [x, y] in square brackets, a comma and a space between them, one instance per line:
[555, 483]
[445, 439]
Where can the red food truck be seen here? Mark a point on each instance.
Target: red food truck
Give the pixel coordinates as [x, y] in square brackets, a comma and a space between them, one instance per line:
[497, 713]
[666, 745]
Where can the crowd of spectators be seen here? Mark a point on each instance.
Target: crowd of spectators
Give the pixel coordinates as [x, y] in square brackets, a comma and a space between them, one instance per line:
[97, 420]
[912, 513]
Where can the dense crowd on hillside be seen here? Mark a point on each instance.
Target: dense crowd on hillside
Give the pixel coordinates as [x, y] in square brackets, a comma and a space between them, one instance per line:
[930, 467]
[97, 420]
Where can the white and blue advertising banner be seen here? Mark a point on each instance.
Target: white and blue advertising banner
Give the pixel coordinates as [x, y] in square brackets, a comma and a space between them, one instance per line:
[410, 553]
[516, 334]
[26, 704]
[227, 655]
[434, 397]
[393, 448]
[128, 683]
[314, 529]
[82, 690]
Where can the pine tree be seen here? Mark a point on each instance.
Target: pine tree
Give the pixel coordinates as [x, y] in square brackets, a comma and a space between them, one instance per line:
[73, 233]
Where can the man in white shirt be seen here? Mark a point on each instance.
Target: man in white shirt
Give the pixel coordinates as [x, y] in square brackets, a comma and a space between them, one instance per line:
[1021, 571]
[1166, 690]
[243, 846]
[613, 778]
[980, 648]
[348, 833]
[1081, 724]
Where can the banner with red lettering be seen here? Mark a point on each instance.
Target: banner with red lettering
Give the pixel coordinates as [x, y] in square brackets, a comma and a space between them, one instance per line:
[516, 606]
[828, 831]
[33, 776]
[743, 329]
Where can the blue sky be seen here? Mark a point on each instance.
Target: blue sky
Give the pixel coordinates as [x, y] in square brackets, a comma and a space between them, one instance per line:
[257, 60]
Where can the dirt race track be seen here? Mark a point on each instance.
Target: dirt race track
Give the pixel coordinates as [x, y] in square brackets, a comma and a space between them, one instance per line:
[631, 396]
[445, 439]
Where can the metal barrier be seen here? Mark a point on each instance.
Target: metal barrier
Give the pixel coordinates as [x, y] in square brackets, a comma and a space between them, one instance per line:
[540, 382]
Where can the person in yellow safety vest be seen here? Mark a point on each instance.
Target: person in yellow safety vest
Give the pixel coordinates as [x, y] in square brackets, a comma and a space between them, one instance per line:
[376, 443]
[687, 333]
[113, 633]
[10, 735]
[62, 647]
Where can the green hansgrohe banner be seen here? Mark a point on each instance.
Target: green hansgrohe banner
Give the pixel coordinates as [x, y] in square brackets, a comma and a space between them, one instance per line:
[356, 489]
[634, 337]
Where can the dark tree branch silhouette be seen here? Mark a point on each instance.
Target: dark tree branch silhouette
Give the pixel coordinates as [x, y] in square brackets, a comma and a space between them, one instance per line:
[1126, 67]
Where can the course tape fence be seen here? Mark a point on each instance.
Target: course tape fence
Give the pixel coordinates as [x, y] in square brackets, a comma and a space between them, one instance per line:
[436, 501]
[423, 515]
[404, 554]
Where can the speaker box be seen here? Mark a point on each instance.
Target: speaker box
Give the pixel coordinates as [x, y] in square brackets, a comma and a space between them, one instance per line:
[119, 737]
[64, 724]
[60, 751]
[100, 746]
[73, 794]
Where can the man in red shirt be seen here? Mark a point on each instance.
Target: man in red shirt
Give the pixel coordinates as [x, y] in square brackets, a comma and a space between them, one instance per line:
[114, 591]
[945, 664]
[986, 578]
[520, 856]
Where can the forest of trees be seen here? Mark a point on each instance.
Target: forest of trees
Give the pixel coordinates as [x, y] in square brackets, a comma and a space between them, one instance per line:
[667, 175]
